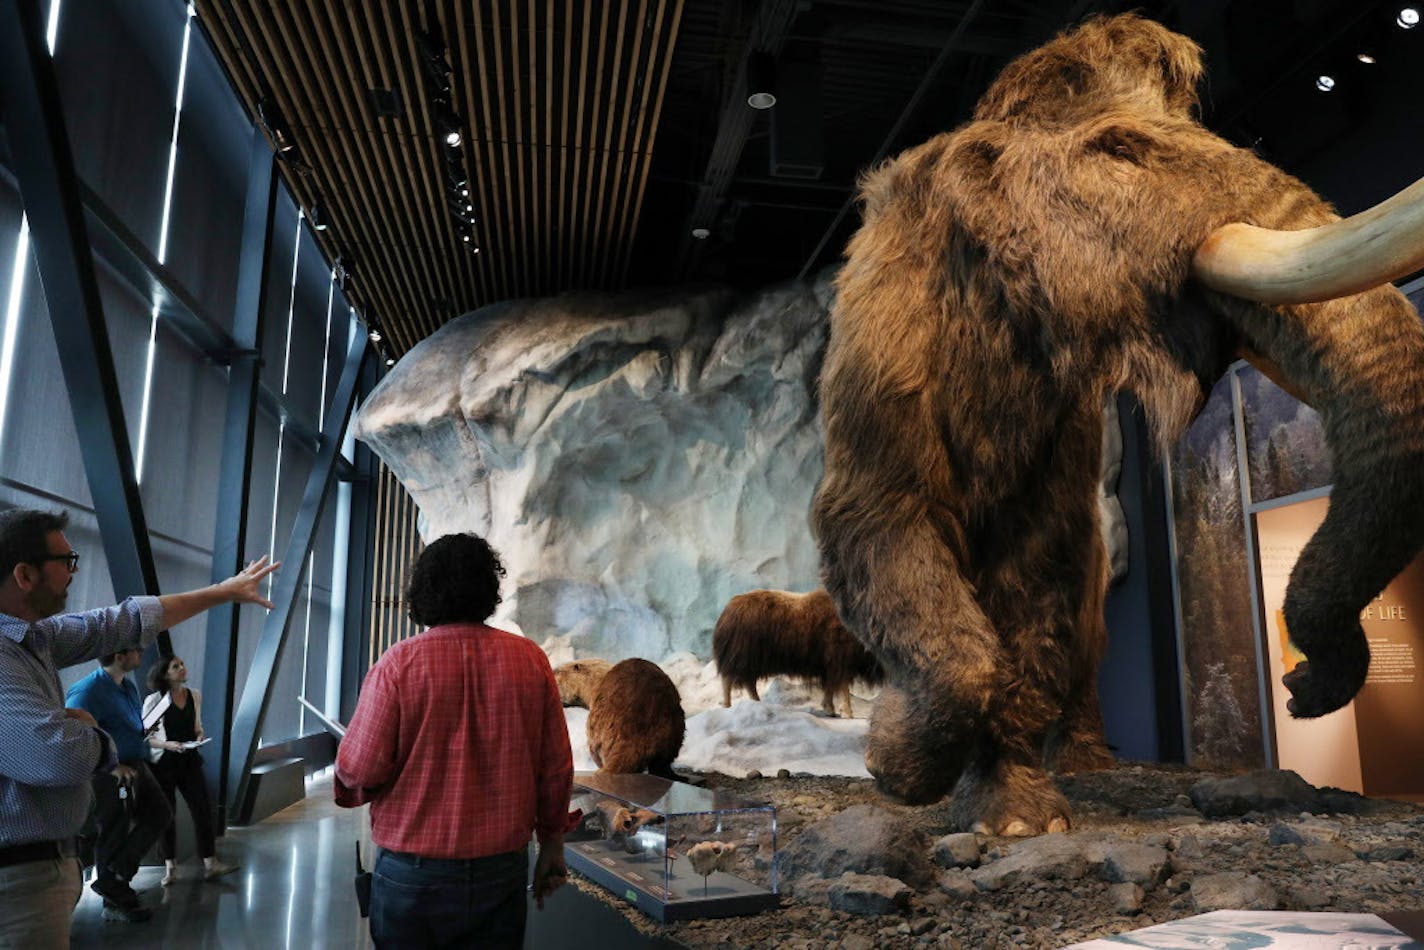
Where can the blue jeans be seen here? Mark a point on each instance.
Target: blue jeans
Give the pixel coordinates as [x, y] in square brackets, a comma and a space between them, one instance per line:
[439, 902]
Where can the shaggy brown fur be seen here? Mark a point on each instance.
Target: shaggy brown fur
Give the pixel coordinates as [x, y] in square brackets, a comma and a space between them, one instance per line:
[1008, 277]
[776, 633]
[579, 680]
[636, 723]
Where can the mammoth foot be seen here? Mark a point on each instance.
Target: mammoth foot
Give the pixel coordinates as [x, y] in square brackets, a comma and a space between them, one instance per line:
[1315, 693]
[914, 761]
[1011, 800]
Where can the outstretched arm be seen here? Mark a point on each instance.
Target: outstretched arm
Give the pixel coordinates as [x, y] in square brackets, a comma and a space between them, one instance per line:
[244, 587]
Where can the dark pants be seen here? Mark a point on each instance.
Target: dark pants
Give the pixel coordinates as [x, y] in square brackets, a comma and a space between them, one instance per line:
[183, 772]
[128, 828]
[435, 902]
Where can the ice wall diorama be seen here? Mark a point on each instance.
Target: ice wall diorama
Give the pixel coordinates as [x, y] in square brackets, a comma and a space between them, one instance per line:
[637, 458]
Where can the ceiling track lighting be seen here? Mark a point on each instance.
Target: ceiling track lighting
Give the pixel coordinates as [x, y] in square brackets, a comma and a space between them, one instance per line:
[375, 334]
[1325, 83]
[1407, 19]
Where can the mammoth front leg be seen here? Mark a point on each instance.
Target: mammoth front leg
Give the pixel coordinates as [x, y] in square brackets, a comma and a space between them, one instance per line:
[902, 592]
[1042, 585]
[1077, 743]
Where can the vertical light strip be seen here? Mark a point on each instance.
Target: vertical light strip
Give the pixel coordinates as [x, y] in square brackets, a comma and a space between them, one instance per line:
[340, 561]
[141, 449]
[12, 317]
[311, 562]
[286, 366]
[52, 28]
[18, 268]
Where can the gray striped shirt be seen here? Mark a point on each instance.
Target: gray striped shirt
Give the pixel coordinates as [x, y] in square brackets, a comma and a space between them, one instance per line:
[46, 759]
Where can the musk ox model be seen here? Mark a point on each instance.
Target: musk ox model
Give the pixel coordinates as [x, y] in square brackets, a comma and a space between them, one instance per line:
[776, 633]
[635, 723]
[1077, 237]
[579, 680]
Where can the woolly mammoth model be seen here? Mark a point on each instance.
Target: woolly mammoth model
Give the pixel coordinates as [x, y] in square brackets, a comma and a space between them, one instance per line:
[635, 722]
[1075, 238]
[776, 633]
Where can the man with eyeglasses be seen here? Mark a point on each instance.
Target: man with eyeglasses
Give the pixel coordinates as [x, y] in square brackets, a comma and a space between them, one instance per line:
[49, 754]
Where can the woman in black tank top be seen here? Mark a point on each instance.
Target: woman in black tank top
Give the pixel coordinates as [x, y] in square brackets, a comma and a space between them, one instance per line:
[178, 766]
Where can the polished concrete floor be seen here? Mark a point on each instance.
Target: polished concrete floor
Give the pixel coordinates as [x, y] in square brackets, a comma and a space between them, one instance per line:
[293, 889]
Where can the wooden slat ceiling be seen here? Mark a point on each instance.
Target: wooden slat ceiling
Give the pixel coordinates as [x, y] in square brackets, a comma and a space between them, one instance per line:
[560, 101]
[600, 133]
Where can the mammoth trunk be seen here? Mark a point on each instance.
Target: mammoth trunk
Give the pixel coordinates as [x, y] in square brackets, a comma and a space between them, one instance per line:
[1360, 362]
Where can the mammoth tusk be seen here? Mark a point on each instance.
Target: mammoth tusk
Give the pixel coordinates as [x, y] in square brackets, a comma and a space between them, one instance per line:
[1334, 260]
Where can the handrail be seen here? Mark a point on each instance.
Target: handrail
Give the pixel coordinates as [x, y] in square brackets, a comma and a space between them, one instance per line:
[332, 726]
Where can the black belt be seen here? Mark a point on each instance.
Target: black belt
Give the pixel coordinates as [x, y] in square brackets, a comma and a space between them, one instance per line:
[36, 851]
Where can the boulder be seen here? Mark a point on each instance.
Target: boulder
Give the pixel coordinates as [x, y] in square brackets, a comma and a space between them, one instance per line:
[1046, 857]
[957, 851]
[862, 839]
[869, 894]
[1233, 890]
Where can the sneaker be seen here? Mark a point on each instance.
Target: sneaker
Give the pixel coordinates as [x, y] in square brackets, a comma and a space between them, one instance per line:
[136, 914]
[217, 869]
[115, 890]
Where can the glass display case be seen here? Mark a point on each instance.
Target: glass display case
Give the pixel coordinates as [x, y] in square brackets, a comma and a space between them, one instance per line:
[673, 850]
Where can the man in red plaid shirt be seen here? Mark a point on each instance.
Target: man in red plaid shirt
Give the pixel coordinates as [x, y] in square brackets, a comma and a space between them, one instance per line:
[459, 744]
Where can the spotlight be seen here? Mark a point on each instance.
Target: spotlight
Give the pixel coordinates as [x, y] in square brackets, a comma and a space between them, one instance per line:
[1366, 58]
[375, 335]
[1408, 18]
[272, 119]
[449, 124]
[390, 361]
[317, 217]
[1325, 83]
[761, 80]
[701, 234]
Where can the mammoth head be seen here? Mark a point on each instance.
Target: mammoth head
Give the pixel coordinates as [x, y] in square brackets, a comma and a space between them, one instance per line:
[1108, 62]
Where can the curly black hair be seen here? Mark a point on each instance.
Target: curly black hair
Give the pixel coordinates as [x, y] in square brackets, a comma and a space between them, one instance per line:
[24, 536]
[455, 580]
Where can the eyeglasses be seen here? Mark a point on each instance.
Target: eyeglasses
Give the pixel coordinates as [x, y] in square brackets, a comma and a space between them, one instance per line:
[72, 557]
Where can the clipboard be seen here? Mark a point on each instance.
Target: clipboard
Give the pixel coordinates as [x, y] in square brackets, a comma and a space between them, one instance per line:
[155, 715]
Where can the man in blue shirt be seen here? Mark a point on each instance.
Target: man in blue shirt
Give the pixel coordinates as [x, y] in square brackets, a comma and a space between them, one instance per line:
[48, 753]
[131, 809]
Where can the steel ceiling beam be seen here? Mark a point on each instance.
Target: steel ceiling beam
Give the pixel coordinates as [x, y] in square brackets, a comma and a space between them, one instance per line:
[768, 33]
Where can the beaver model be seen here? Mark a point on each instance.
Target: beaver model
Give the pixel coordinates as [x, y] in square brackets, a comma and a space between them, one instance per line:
[636, 723]
[579, 680]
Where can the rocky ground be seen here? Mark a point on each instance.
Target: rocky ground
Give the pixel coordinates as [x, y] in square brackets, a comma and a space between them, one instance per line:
[1149, 844]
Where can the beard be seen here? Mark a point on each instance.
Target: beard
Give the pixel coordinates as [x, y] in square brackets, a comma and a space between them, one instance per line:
[45, 602]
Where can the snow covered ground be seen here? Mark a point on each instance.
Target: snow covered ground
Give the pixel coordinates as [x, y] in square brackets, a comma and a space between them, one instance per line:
[787, 730]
